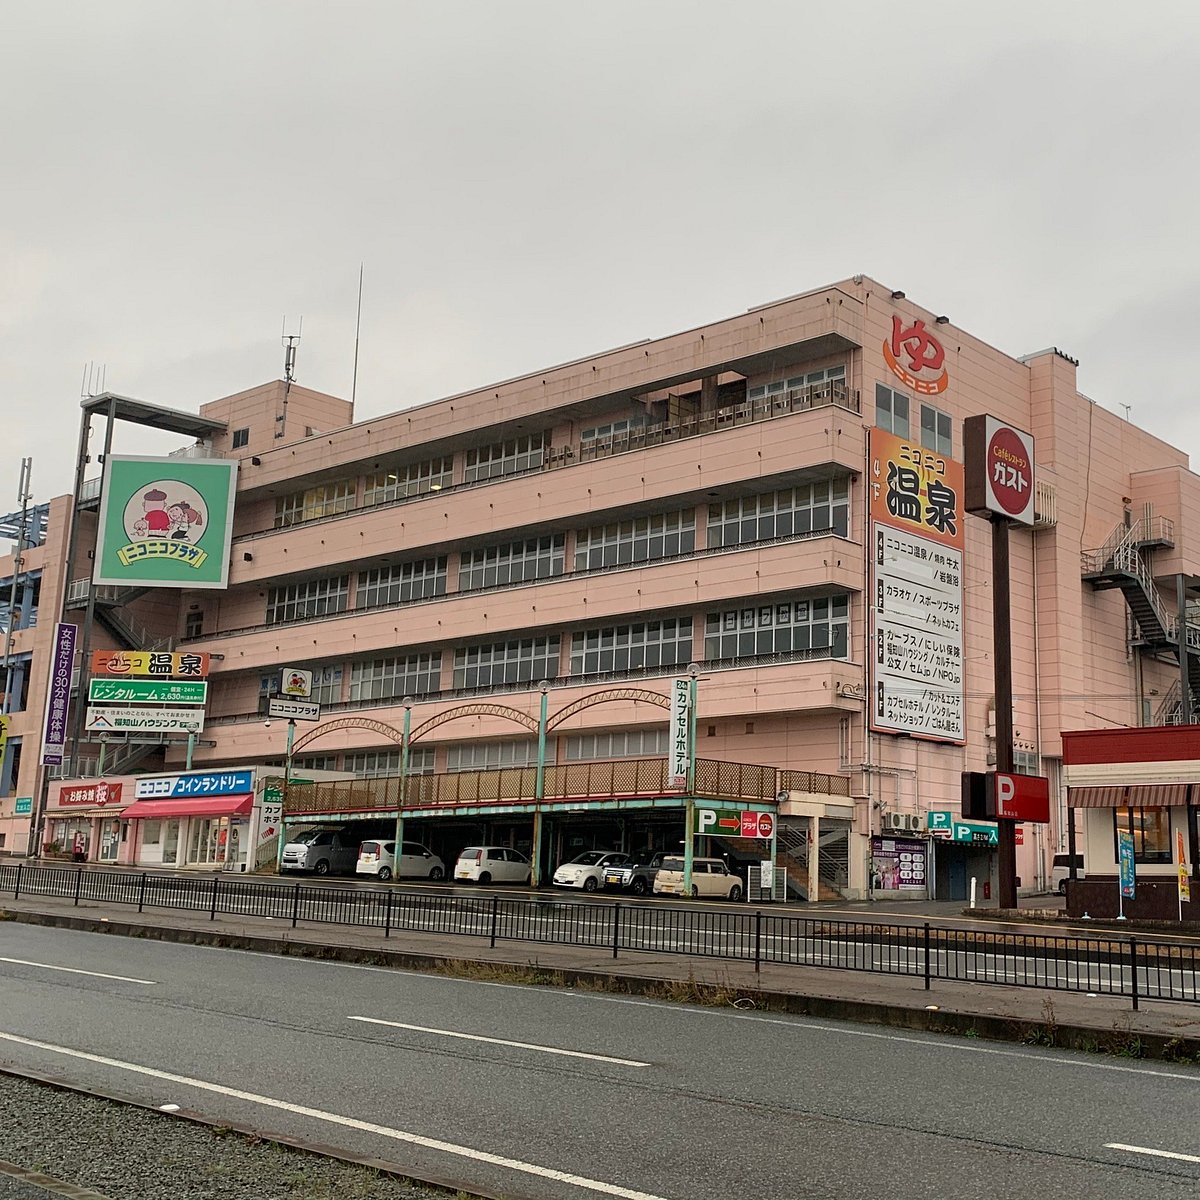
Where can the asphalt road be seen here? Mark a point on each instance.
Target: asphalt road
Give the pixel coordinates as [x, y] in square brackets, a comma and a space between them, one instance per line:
[542, 1093]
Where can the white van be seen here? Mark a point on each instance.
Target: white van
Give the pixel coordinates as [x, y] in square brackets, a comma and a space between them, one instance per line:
[321, 851]
[378, 858]
[710, 877]
[1060, 871]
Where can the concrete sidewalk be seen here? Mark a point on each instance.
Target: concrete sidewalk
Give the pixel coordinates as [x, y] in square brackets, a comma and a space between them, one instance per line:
[1060, 1018]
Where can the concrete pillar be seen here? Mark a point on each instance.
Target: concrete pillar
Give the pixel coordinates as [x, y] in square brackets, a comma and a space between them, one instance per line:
[814, 858]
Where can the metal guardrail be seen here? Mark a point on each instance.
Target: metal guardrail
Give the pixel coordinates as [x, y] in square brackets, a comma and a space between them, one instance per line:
[1116, 966]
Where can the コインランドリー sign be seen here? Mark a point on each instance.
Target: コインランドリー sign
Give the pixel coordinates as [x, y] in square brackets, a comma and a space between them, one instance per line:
[165, 522]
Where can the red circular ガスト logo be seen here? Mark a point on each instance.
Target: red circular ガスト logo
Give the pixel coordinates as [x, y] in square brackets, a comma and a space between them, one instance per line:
[766, 825]
[1010, 474]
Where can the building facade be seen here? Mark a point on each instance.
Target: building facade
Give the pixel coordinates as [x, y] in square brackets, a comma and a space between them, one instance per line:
[539, 560]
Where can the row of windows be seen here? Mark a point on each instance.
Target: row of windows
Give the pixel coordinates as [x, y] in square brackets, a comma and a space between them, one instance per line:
[632, 647]
[504, 458]
[303, 601]
[321, 501]
[518, 562]
[793, 383]
[892, 410]
[812, 508]
[488, 756]
[618, 743]
[525, 660]
[416, 479]
[393, 678]
[637, 540]
[367, 763]
[786, 627]
[400, 582]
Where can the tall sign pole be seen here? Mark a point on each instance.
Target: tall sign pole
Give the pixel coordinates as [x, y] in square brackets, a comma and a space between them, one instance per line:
[999, 486]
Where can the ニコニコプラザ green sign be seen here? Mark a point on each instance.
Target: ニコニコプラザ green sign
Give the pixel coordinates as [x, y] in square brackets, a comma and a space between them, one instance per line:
[165, 522]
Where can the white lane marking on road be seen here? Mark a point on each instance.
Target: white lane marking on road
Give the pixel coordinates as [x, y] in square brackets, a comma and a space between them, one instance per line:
[475, 1037]
[1193, 1158]
[24, 962]
[300, 1110]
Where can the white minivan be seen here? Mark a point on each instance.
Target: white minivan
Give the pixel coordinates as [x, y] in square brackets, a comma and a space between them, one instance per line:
[1060, 871]
[710, 877]
[378, 858]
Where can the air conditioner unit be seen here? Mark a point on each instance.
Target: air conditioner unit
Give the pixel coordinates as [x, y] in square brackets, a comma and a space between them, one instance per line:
[899, 822]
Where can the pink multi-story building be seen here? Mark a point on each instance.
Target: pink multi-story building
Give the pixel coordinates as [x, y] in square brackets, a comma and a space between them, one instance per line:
[539, 560]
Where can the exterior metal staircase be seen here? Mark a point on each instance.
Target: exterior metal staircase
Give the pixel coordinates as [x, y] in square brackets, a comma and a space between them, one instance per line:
[109, 603]
[1119, 563]
[834, 864]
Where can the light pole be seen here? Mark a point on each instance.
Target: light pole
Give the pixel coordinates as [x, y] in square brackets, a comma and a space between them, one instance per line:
[287, 779]
[690, 801]
[404, 736]
[539, 787]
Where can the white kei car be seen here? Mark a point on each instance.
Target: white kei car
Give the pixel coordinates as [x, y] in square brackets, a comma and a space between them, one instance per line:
[586, 871]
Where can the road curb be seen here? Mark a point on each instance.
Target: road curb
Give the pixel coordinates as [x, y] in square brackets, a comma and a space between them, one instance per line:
[1117, 1038]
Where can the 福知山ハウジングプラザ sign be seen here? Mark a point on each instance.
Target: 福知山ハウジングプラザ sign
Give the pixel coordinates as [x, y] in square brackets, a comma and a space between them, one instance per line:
[165, 522]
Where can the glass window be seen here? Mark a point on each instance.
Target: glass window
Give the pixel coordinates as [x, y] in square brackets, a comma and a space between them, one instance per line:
[818, 382]
[303, 601]
[505, 458]
[891, 410]
[415, 479]
[490, 756]
[640, 539]
[621, 743]
[936, 430]
[810, 510]
[368, 763]
[401, 582]
[818, 628]
[517, 562]
[321, 501]
[240, 438]
[1151, 829]
[641, 647]
[527, 660]
[394, 678]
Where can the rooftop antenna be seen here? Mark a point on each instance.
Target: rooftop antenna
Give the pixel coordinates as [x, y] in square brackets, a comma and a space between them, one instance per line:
[357, 327]
[290, 342]
[92, 376]
[1126, 407]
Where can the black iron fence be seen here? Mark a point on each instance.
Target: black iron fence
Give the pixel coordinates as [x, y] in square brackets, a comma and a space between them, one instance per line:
[1116, 965]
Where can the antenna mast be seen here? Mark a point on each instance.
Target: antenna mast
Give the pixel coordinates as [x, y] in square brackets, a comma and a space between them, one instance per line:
[357, 327]
[290, 342]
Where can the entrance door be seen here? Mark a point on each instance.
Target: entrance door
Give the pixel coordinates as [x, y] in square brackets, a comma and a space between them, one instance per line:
[170, 845]
[110, 833]
[958, 877]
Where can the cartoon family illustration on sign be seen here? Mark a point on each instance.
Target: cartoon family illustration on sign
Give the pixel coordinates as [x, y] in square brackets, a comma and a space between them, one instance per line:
[165, 516]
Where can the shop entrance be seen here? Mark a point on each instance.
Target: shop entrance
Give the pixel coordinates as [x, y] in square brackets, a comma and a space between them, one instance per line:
[110, 836]
[210, 840]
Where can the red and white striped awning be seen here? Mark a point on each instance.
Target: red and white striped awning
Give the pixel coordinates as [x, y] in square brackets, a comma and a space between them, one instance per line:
[1136, 795]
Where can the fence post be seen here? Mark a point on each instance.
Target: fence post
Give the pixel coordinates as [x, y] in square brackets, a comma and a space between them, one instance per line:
[1133, 970]
[616, 928]
[17, 891]
[927, 956]
[495, 907]
[295, 906]
[142, 893]
[78, 882]
[212, 908]
[387, 915]
[757, 941]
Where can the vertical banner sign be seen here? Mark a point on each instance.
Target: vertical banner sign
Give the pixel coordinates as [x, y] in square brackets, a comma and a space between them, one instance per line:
[3, 735]
[1185, 884]
[1128, 874]
[917, 540]
[165, 522]
[58, 694]
[270, 816]
[680, 725]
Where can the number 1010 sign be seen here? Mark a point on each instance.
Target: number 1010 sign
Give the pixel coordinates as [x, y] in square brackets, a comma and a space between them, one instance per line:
[999, 469]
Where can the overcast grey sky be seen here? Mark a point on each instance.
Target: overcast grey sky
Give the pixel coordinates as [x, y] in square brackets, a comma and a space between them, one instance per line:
[528, 182]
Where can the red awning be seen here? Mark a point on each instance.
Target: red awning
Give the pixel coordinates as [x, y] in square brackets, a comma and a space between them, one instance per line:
[190, 806]
[1147, 795]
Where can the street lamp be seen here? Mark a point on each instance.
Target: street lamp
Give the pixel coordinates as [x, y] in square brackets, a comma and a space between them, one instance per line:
[287, 779]
[404, 737]
[539, 786]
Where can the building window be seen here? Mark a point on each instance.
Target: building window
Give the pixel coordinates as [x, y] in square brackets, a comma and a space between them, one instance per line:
[811, 628]
[193, 624]
[526, 661]
[518, 562]
[394, 678]
[814, 508]
[321, 501]
[240, 438]
[1151, 830]
[1025, 761]
[611, 430]
[416, 479]
[936, 432]
[808, 379]
[632, 647]
[891, 410]
[490, 756]
[639, 540]
[845, 734]
[620, 743]
[404, 581]
[504, 458]
[303, 601]
[369, 763]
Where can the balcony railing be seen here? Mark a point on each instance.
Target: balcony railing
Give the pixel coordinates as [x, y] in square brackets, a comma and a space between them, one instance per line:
[571, 781]
[746, 412]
